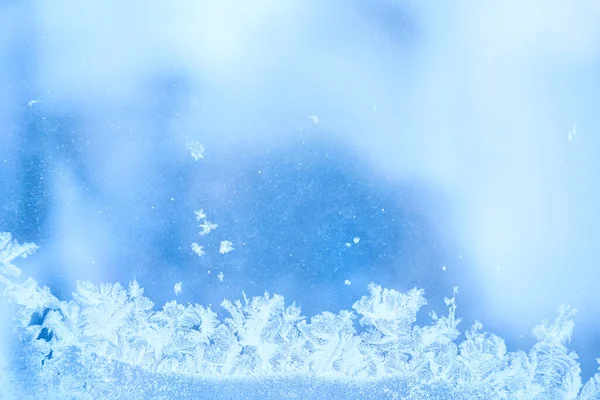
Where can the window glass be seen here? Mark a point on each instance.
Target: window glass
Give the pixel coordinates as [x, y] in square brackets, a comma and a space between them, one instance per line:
[262, 199]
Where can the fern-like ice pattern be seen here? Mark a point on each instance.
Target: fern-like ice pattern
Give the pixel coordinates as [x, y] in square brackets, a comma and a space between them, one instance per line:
[110, 342]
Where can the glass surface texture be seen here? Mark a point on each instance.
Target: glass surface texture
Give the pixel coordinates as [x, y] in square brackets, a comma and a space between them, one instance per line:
[380, 199]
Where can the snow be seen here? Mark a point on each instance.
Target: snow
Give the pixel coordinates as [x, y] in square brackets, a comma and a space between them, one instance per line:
[196, 248]
[200, 215]
[177, 288]
[207, 227]
[226, 247]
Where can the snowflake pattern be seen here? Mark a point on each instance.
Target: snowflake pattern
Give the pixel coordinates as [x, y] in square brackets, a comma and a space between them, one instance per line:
[99, 343]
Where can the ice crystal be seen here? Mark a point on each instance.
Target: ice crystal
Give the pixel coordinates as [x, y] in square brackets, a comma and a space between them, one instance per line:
[207, 227]
[196, 248]
[197, 150]
[572, 133]
[108, 341]
[200, 215]
[226, 247]
[177, 289]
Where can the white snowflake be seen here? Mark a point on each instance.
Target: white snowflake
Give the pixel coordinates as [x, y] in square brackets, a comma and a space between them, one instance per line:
[207, 227]
[347, 282]
[200, 215]
[226, 247]
[220, 276]
[356, 240]
[196, 248]
[177, 288]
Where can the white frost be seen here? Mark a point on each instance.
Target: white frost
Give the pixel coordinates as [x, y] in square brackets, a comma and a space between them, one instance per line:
[101, 341]
[226, 247]
[200, 215]
[196, 248]
[177, 288]
[207, 227]
[197, 150]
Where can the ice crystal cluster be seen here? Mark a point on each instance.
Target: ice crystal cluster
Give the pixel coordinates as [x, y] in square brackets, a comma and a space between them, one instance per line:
[109, 341]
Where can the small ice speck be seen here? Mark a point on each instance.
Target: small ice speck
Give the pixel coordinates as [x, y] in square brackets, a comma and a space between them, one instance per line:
[220, 276]
[197, 150]
[314, 119]
[347, 282]
[348, 244]
[32, 102]
[196, 248]
[356, 240]
[572, 133]
[226, 247]
[444, 268]
[177, 288]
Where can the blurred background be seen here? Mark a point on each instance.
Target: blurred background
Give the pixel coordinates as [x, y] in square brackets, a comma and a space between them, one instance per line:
[397, 142]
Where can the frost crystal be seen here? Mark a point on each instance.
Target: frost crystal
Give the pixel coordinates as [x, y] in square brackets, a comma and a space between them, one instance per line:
[197, 150]
[356, 240]
[177, 288]
[572, 133]
[110, 342]
[221, 276]
[207, 227]
[226, 247]
[200, 215]
[9, 251]
[196, 248]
